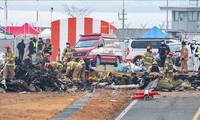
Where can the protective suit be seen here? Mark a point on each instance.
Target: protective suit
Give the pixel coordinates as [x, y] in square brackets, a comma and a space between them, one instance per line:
[184, 58]
[10, 63]
[148, 57]
[56, 68]
[67, 52]
[191, 53]
[197, 58]
[70, 67]
[168, 68]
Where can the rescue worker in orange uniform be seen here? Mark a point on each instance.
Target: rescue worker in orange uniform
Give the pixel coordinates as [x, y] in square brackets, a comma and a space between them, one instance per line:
[184, 58]
[168, 68]
[148, 57]
[67, 52]
[9, 64]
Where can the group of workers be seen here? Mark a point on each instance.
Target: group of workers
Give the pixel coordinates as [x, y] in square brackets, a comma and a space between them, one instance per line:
[35, 46]
[166, 59]
[74, 68]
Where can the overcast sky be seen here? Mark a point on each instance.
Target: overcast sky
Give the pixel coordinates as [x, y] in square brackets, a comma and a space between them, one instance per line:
[97, 5]
[138, 11]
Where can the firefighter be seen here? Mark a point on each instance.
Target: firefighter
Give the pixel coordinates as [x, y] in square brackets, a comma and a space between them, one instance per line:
[154, 70]
[184, 57]
[70, 67]
[9, 63]
[79, 74]
[168, 68]
[78, 70]
[48, 49]
[67, 52]
[56, 67]
[148, 57]
[83, 69]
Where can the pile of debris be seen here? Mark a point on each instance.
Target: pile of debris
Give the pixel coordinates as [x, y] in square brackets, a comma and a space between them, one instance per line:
[33, 78]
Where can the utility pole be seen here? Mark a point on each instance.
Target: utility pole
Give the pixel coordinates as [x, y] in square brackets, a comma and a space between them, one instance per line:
[37, 16]
[167, 25]
[123, 19]
[51, 16]
[197, 4]
[5, 15]
[123, 12]
[123, 26]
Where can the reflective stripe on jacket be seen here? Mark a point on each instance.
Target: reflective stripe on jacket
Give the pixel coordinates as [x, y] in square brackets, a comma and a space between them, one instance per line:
[10, 58]
[168, 65]
[147, 58]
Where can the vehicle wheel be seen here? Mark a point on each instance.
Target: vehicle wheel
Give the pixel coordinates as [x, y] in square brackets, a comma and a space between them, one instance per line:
[117, 61]
[138, 61]
[98, 60]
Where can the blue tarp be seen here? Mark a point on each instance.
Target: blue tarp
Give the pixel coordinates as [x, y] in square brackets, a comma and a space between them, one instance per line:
[153, 33]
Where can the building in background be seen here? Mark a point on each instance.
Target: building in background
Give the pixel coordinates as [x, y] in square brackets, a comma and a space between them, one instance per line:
[185, 19]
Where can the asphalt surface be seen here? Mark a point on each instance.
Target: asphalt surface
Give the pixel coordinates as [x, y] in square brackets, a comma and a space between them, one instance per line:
[164, 109]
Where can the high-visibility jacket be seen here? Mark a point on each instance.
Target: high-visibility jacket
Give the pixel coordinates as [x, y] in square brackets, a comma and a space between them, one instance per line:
[68, 51]
[168, 65]
[57, 65]
[10, 58]
[198, 51]
[148, 58]
[71, 65]
[34, 44]
[184, 53]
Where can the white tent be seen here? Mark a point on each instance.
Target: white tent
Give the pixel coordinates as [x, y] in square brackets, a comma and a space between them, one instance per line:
[45, 33]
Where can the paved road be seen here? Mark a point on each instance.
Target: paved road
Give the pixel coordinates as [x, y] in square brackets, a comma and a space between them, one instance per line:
[164, 109]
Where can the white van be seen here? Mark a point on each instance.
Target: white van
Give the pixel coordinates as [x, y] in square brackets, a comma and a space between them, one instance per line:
[137, 47]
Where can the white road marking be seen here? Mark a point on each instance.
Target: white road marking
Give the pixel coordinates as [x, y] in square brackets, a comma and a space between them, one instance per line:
[126, 110]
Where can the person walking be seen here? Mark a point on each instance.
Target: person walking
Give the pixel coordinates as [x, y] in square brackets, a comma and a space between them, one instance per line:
[163, 51]
[21, 46]
[148, 57]
[184, 58]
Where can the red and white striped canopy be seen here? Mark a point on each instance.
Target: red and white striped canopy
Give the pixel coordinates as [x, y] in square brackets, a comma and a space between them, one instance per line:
[70, 29]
